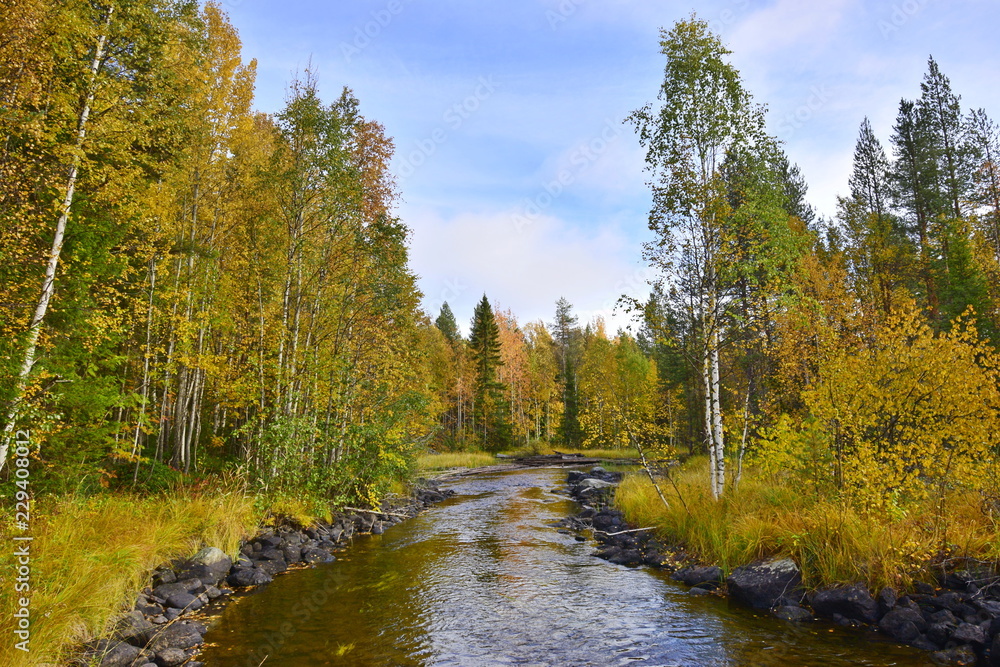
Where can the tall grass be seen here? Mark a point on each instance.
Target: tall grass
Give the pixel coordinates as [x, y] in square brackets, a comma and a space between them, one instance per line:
[445, 460]
[830, 540]
[90, 556]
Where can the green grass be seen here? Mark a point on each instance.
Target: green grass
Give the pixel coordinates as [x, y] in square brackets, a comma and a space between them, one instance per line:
[829, 539]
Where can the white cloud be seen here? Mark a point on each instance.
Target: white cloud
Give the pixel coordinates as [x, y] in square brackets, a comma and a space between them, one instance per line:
[461, 257]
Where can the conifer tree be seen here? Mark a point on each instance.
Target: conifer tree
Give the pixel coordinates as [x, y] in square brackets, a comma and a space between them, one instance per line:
[446, 323]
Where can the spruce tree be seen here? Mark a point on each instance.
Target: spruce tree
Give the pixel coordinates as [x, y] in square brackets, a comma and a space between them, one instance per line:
[567, 336]
[490, 412]
[446, 323]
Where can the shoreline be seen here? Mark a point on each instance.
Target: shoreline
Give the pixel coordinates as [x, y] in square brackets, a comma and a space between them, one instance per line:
[958, 622]
[164, 627]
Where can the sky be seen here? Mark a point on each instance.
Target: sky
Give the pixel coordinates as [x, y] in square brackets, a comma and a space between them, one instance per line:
[519, 177]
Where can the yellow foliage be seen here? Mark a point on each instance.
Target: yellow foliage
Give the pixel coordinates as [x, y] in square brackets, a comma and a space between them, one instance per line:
[911, 412]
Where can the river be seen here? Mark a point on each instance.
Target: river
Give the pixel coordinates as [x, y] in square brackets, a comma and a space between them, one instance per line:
[484, 579]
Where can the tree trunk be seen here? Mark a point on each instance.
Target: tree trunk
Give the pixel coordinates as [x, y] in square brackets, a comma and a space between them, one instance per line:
[48, 284]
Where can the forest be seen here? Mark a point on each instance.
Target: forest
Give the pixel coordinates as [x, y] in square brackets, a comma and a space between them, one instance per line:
[194, 292]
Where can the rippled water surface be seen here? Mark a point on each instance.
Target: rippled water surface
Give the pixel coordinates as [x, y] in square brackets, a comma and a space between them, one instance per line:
[481, 579]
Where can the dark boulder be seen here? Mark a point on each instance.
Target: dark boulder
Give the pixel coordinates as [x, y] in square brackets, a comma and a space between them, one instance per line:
[960, 655]
[995, 652]
[903, 624]
[248, 577]
[185, 601]
[115, 653]
[134, 629]
[272, 567]
[852, 602]
[292, 553]
[177, 635]
[272, 541]
[317, 556]
[760, 584]
[886, 600]
[170, 657]
[164, 576]
[270, 553]
[793, 613]
[187, 586]
[967, 633]
[704, 576]
[210, 565]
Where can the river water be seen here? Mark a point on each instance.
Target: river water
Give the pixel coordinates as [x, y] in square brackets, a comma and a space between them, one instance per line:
[483, 579]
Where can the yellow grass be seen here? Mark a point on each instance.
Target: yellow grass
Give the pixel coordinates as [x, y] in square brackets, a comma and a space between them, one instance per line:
[831, 541]
[91, 556]
[447, 460]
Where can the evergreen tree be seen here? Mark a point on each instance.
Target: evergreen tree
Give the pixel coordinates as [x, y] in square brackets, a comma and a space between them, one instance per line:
[941, 111]
[869, 181]
[484, 346]
[446, 323]
[878, 251]
[567, 337]
[914, 176]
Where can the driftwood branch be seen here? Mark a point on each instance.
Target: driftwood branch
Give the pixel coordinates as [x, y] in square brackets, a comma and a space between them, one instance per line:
[622, 532]
[355, 509]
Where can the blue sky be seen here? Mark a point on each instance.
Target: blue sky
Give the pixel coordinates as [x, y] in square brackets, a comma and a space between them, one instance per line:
[518, 177]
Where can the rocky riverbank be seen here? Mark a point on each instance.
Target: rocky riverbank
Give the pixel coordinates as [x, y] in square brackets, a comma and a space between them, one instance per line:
[958, 620]
[161, 629]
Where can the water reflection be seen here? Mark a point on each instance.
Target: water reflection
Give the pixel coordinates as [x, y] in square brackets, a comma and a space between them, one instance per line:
[481, 579]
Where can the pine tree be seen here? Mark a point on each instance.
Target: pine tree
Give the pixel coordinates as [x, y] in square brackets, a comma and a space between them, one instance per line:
[941, 111]
[446, 323]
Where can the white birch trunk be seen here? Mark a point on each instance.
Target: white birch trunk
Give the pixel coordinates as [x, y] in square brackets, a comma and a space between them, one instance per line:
[48, 284]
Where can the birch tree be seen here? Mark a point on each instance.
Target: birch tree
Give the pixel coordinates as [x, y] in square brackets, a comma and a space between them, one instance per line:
[705, 117]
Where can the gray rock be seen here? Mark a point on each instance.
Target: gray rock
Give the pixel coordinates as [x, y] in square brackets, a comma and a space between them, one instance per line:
[170, 657]
[176, 635]
[698, 591]
[116, 654]
[217, 559]
[185, 601]
[171, 613]
[852, 602]
[591, 483]
[760, 584]
[377, 528]
[248, 577]
[292, 552]
[211, 592]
